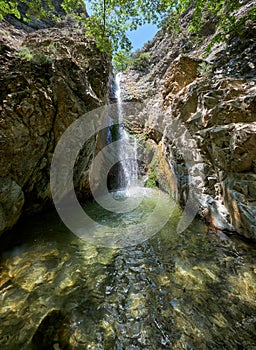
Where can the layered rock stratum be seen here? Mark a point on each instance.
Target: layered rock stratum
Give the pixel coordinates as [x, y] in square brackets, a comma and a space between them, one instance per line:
[200, 110]
[50, 76]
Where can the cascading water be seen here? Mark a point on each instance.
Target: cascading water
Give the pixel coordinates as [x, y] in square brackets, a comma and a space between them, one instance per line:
[128, 170]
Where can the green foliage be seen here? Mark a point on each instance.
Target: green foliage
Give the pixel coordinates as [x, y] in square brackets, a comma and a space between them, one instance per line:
[110, 20]
[141, 61]
[152, 180]
[223, 12]
[38, 8]
[28, 54]
[73, 6]
[34, 8]
[41, 58]
[117, 17]
[9, 7]
[204, 69]
[52, 48]
[138, 60]
[121, 60]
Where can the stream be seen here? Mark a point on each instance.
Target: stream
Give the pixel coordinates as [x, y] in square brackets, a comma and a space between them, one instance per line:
[129, 279]
[193, 290]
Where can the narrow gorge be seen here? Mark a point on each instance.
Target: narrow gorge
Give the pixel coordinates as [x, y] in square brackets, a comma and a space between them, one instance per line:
[127, 199]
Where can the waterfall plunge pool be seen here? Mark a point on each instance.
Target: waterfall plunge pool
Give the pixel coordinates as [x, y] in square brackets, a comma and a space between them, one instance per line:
[193, 290]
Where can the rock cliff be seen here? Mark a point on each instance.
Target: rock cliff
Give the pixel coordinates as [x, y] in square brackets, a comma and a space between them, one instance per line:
[49, 77]
[203, 110]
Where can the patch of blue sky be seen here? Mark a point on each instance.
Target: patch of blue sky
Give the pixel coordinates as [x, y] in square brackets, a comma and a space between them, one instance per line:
[139, 36]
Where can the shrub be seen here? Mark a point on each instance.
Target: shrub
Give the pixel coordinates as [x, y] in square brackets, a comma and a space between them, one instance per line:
[138, 60]
[27, 54]
[152, 180]
[141, 62]
[41, 58]
[121, 61]
[204, 69]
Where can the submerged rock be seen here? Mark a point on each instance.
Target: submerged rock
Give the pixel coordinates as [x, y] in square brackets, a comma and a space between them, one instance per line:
[52, 332]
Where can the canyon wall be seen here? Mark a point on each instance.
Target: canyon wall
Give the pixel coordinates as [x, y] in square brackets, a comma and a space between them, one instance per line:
[49, 78]
[201, 116]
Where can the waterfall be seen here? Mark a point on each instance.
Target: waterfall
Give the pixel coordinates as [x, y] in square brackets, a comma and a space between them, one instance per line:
[128, 170]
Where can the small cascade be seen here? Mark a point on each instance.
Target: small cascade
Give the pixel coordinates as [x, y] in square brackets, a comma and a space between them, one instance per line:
[128, 169]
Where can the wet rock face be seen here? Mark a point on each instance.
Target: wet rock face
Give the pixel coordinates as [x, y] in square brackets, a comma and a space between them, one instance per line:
[49, 78]
[219, 114]
[206, 110]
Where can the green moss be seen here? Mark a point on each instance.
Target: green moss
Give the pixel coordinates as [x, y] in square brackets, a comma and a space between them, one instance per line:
[157, 176]
[152, 180]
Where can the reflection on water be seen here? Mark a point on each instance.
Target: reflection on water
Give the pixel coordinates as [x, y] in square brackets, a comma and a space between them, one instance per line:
[193, 290]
